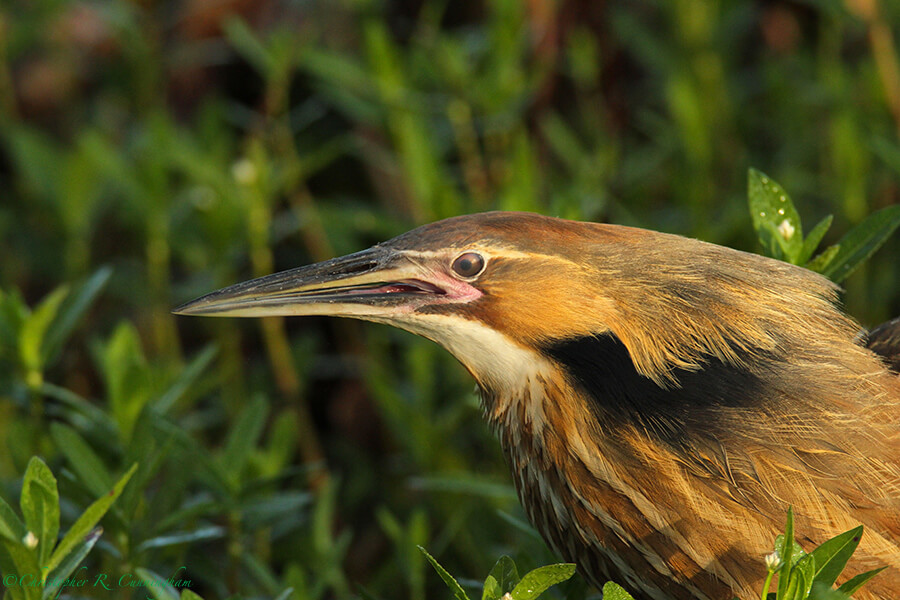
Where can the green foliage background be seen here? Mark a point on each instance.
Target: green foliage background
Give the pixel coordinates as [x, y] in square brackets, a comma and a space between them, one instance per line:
[153, 151]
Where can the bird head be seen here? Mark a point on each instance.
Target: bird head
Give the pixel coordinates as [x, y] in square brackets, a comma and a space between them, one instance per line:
[498, 289]
[484, 286]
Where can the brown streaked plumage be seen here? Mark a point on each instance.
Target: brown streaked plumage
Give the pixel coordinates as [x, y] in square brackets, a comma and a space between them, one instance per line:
[661, 400]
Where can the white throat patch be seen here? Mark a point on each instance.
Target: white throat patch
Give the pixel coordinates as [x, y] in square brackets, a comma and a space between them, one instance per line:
[493, 358]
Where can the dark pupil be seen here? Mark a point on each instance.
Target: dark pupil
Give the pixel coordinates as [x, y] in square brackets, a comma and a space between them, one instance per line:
[468, 264]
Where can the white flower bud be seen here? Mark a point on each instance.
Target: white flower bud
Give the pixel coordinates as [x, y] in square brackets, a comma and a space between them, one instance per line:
[786, 229]
[30, 540]
[244, 172]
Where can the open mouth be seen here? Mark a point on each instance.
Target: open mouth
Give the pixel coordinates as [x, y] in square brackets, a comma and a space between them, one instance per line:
[367, 293]
[406, 287]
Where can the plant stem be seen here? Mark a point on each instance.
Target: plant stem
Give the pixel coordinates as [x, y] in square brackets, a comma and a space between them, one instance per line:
[765, 591]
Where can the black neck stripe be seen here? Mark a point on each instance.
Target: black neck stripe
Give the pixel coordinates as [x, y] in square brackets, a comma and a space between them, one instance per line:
[619, 395]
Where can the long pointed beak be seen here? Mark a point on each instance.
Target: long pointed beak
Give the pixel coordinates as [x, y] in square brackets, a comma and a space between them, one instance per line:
[377, 282]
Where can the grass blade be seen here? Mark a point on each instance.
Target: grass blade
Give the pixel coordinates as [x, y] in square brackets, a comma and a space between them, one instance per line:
[76, 304]
[88, 519]
[852, 585]
[58, 575]
[156, 585]
[861, 242]
[785, 553]
[814, 238]
[243, 438]
[84, 461]
[186, 379]
[454, 586]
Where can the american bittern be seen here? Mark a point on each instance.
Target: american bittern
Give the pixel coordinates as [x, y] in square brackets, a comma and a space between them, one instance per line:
[661, 400]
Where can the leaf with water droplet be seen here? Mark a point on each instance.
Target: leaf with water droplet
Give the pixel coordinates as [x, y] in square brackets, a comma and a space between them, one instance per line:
[536, 582]
[614, 591]
[505, 574]
[775, 219]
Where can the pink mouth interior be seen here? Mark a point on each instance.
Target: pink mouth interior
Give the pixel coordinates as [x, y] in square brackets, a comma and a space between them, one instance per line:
[410, 286]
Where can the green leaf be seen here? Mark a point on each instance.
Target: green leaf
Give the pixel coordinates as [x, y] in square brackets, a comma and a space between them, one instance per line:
[70, 562]
[88, 519]
[189, 595]
[13, 313]
[16, 558]
[505, 574]
[84, 461]
[11, 526]
[820, 262]
[211, 532]
[888, 151]
[8, 567]
[536, 582]
[784, 546]
[209, 470]
[832, 556]
[861, 242]
[278, 507]
[40, 506]
[491, 590]
[127, 376]
[563, 141]
[279, 452]
[820, 591]
[76, 304]
[186, 378]
[804, 573]
[614, 591]
[454, 586]
[85, 409]
[793, 587]
[852, 585]
[775, 219]
[248, 45]
[285, 595]
[243, 438]
[31, 337]
[813, 240]
[156, 585]
[36, 156]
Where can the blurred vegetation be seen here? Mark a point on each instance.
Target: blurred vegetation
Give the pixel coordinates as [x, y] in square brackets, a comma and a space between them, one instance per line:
[153, 151]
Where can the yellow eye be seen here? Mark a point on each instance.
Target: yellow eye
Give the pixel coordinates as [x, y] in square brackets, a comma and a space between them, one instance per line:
[468, 264]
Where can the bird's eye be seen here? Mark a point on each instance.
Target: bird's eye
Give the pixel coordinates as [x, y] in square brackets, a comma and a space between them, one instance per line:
[468, 264]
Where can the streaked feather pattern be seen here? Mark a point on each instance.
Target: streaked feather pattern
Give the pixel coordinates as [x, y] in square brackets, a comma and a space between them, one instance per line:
[704, 391]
